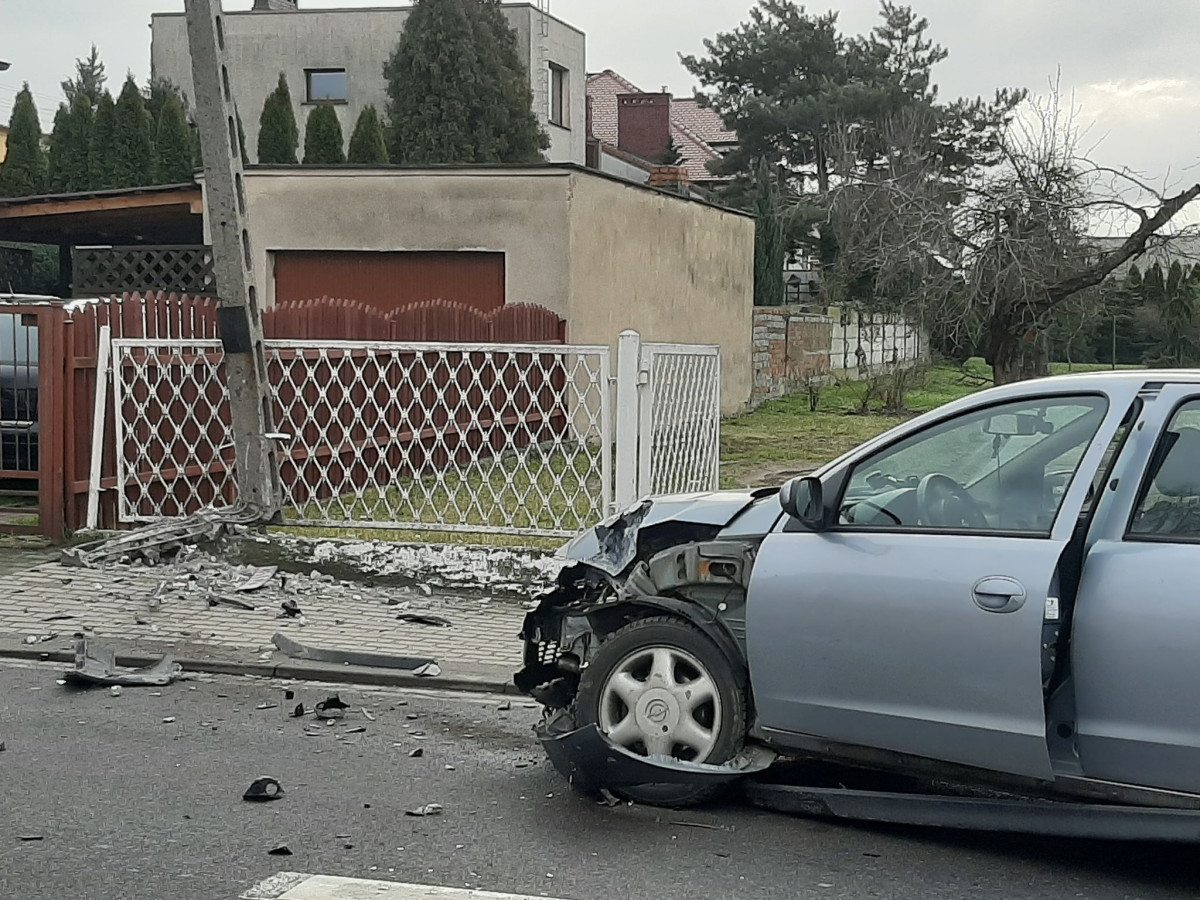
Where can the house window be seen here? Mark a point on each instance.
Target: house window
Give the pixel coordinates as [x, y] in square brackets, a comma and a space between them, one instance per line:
[558, 96]
[327, 85]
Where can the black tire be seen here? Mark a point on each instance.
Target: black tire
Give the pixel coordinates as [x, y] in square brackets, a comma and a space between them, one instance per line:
[670, 632]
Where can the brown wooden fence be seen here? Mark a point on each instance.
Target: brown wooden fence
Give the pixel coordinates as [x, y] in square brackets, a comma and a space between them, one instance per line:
[70, 333]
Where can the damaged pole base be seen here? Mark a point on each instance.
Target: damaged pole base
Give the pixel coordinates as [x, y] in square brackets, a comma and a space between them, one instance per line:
[167, 537]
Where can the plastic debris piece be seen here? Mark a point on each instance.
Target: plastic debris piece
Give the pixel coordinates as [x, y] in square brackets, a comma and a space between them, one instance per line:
[95, 664]
[429, 809]
[291, 609]
[505, 706]
[429, 670]
[424, 619]
[279, 851]
[29, 837]
[359, 729]
[332, 707]
[263, 789]
[267, 706]
[419, 752]
[298, 712]
[115, 691]
[259, 578]
[297, 650]
[168, 720]
[367, 714]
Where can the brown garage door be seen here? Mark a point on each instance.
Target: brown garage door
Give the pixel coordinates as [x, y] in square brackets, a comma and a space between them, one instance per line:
[391, 280]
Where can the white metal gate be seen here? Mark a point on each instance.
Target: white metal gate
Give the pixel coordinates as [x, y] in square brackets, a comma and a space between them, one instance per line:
[680, 428]
[500, 438]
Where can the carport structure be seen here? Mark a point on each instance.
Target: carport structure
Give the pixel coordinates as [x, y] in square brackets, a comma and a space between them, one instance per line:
[110, 242]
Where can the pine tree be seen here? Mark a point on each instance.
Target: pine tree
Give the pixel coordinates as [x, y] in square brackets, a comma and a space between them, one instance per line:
[100, 152]
[133, 139]
[172, 145]
[89, 79]
[520, 137]
[672, 156]
[458, 91]
[323, 142]
[278, 136]
[367, 145]
[74, 156]
[56, 180]
[23, 172]
[769, 249]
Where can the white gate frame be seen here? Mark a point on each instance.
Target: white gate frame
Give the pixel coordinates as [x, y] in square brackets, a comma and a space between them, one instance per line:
[637, 390]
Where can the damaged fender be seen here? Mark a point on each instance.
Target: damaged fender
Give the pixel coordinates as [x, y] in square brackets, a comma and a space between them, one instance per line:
[594, 762]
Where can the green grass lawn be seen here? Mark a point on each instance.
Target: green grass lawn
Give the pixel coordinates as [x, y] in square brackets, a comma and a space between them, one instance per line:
[784, 436]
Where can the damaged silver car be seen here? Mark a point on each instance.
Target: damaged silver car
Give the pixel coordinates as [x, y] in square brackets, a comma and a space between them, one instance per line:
[997, 593]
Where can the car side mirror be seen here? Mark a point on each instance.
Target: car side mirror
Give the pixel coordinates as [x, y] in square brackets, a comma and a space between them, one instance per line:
[803, 499]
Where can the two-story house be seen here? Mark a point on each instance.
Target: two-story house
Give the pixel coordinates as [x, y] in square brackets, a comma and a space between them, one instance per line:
[337, 56]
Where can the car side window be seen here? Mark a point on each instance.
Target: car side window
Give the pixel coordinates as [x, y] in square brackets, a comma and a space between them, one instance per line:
[1006, 468]
[1168, 506]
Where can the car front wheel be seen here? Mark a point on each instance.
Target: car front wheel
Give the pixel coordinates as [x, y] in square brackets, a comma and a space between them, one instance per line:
[660, 687]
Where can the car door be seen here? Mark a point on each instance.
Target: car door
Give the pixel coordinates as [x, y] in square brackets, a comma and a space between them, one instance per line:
[1135, 661]
[913, 621]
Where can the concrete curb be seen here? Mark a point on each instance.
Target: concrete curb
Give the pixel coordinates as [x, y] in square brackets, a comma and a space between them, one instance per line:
[211, 660]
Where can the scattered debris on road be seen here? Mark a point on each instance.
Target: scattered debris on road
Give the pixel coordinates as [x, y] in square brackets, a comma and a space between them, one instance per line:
[429, 809]
[298, 712]
[263, 789]
[164, 540]
[96, 664]
[332, 707]
[297, 650]
[168, 720]
[416, 754]
[279, 851]
[429, 670]
[291, 609]
[225, 600]
[30, 837]
[424, 619]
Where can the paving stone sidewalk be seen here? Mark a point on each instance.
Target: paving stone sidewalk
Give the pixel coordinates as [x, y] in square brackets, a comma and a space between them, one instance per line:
[41, 608]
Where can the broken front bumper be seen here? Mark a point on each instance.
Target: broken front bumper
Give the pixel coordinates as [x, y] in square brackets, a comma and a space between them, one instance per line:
[591, 760]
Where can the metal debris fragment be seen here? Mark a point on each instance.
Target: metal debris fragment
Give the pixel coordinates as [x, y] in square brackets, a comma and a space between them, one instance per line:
[424, 619]
[263, 789]
[96, 664]
[226, 600]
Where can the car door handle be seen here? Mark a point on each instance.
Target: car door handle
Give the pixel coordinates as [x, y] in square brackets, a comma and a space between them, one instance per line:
[998, 594]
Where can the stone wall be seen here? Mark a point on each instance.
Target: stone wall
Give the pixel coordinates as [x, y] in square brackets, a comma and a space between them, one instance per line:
[796, 346]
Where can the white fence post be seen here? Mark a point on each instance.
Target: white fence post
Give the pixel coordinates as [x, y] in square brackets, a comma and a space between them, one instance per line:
[629, 355]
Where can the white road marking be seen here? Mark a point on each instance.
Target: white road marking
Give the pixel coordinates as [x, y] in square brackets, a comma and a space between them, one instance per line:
[298, 886]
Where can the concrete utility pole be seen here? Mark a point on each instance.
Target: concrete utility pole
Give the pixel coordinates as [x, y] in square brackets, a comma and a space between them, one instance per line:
[239, 315]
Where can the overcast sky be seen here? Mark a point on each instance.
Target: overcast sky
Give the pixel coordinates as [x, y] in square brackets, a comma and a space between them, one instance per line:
[1135, 78]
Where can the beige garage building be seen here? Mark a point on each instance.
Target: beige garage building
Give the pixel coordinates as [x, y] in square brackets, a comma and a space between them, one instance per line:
[603, 254]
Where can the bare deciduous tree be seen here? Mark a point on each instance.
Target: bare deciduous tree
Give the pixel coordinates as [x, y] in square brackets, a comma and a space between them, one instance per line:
[1000, 252]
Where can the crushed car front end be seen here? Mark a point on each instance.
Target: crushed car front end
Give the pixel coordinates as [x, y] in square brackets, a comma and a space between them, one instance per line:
[688, 558]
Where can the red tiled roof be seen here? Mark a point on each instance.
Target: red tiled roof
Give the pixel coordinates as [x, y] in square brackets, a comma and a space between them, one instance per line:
[691, 125]
[702, 122]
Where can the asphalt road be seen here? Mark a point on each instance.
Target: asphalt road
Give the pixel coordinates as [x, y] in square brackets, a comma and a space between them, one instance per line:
[128, 805]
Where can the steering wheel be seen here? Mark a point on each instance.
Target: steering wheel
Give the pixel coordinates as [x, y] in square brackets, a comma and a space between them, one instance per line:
[943, 502]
